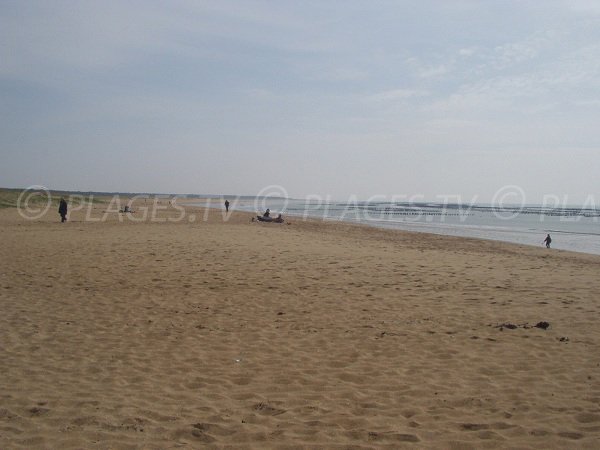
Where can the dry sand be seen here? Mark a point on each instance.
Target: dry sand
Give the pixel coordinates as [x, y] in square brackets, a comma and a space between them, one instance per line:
[307, 335]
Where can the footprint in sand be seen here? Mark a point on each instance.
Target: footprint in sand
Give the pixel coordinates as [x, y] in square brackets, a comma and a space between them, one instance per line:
[267, 410]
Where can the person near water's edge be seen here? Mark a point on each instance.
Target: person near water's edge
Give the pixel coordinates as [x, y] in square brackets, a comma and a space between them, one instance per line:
[547, 241]
[226, 205]
[62, 210]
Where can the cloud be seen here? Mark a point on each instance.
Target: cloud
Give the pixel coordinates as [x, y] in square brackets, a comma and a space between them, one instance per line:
[586, 103]
[42, 40]
[435, 71]
[430, 71]
[466, 51]
[342, 74]
[583, 6]
[396, 95]
[327, 69]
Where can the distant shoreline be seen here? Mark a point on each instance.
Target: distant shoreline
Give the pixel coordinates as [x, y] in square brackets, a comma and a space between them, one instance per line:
[583, 242]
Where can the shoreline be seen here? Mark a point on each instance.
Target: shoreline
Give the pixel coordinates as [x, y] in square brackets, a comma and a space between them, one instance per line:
[515, 235]
[385, 226]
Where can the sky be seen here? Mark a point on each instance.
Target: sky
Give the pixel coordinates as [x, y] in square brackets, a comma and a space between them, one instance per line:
[328, 98]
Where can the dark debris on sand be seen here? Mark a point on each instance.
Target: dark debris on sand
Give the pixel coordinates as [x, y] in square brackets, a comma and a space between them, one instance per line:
[511, 326]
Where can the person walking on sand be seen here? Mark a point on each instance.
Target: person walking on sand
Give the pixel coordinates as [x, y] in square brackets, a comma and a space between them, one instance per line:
[547, 241]
[62, 210]
[226, 205]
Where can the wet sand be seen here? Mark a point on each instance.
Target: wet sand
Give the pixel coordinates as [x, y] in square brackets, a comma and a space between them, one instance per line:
[304, 335]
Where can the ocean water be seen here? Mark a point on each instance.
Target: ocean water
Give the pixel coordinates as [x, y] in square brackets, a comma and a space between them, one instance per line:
[575, 229]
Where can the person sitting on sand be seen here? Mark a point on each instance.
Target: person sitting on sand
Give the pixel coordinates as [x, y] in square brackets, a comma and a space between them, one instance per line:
[278, 219]
[267, 213]
[547, 241]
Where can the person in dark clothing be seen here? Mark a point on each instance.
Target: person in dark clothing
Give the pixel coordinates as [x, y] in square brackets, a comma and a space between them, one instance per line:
[267, 213]
[226, 205]
[62, 210]
[547, 241]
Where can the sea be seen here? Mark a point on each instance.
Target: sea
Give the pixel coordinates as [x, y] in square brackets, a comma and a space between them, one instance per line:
[571, 228]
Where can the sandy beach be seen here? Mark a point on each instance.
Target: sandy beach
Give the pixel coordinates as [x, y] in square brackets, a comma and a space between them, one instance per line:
[196, 333]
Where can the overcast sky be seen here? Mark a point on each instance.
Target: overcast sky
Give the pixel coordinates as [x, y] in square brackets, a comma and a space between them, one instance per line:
[322, 97]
